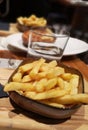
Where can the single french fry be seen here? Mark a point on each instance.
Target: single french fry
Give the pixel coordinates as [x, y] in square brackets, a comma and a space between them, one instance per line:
[30, 94]
[74, 83]
[36, 68]
[66, 76]
[27, 67]
[49, 94]
[17, 77]
[51, 83]
[60, 82]
[72, 99]
[54, 104]
[59, 70]
[44, 67]
[14, 86]
[40, 75]
[26, 78]
[67, 86]
[50, 74]
[40, 85]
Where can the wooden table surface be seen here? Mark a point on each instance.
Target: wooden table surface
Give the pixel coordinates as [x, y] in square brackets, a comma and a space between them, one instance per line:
[14, 118]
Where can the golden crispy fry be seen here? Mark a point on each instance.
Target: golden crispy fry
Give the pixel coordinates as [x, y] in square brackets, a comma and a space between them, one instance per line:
[55, 104]
[17, 77]
[30, 94]
[66, 76]
[40, 75]
[74, 83]
[50, 74]
[49, 94]
[72, 99]
[26, 78]
[48, 102]
[54, 72]
[36, 68]
[59, 70]
[44, 67]
[40, 85]
[60, 82]
[52, 64]
[51, 83]
[14, 86]
[27, 67]
[67, 86]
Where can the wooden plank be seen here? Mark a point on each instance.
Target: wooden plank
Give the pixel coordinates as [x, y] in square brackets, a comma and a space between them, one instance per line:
[5, 74]
[5, 33]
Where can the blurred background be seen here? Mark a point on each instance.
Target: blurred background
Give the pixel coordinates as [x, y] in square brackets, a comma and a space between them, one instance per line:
[65, 14]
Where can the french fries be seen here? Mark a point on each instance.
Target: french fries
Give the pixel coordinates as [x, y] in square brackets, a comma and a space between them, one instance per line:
[33, 20]
[17, 86]
[71, 99]
[47, 83]
[53, 93]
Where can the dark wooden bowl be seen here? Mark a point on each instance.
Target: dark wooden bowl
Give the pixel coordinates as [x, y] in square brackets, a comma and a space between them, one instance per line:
[46, 110]
[23, 28]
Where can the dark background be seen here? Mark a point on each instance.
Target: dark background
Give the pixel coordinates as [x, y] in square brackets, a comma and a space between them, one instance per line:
[41, 8]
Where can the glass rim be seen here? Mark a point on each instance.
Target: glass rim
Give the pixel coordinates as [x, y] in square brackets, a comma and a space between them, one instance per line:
[66, 34]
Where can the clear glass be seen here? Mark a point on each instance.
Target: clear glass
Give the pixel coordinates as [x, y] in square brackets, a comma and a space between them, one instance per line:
[47, 43]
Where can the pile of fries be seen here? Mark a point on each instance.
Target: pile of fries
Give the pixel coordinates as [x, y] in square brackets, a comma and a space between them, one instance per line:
[47, 83]
[33, 20]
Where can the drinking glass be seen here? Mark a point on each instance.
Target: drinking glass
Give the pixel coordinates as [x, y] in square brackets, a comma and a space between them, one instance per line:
[47, 43]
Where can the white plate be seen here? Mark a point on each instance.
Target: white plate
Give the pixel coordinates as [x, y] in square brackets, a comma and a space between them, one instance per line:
[74, 46]
[15, 40]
